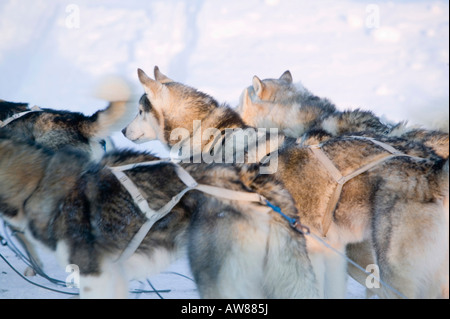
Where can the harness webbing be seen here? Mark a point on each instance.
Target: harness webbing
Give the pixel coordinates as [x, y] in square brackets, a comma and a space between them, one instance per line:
[153, 216]
[19, 115]
[340, 180]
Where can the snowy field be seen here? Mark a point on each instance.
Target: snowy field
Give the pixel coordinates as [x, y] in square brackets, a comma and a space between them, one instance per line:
[391, 57]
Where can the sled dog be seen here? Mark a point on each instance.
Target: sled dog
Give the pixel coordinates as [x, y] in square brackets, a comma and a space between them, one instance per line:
[57, 129]
[280, 103]
[83, 213]
[396, 206]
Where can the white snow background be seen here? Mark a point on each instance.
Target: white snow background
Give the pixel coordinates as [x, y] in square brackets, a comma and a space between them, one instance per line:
[391, 57]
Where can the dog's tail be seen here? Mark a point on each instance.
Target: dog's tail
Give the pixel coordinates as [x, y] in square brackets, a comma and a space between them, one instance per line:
[120, 111]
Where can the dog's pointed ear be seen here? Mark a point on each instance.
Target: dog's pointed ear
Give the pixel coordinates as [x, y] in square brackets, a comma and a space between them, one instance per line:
[246, 100]
[161, 77]
[143, 78]
[258, 86]
[151, 86]
[287, 76]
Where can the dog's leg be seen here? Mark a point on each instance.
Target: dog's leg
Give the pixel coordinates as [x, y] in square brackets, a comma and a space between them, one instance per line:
[362, 254]
[318, 265]
[415, 258]
[30, 250]
[288, 272]
[329, 267]
[335, 284]
[445, 285]
[111, 283]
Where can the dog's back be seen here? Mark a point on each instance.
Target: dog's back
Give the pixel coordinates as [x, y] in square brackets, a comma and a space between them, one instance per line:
[8, 109]
[396, 205]
[294, 110]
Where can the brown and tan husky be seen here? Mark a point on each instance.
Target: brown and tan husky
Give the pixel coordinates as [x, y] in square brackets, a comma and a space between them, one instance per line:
[281, 103]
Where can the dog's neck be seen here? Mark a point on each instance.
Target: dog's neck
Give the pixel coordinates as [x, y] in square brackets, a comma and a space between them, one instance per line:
[218, 118]
[212, 131]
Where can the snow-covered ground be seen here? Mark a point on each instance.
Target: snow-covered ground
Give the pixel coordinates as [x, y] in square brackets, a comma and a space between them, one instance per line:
[174, 283]
[391, 57]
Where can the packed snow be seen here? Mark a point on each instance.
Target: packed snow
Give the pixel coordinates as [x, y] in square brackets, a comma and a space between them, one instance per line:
[391, 57]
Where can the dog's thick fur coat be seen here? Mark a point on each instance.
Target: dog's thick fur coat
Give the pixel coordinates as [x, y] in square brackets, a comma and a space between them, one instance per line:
[56, 129]
[59, 129]
[397, 206]
[83, 213]
[280, 103]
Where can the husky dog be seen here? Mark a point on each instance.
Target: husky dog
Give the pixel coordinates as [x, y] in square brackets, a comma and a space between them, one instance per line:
[83, 213]
[279, 103]
[293, 120]
[294, 109]
[57, 129]
[396, 206]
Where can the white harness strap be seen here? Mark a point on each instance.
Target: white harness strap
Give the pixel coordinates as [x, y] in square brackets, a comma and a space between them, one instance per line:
[19, 115]
[230, 195]
[152, 215]
[341, 180]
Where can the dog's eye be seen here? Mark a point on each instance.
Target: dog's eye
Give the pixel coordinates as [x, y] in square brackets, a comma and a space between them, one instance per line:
[140, 112]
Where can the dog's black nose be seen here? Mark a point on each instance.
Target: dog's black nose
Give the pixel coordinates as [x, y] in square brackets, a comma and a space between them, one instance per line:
[124, 131]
